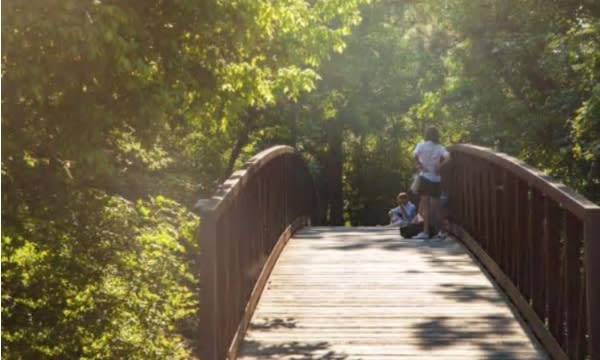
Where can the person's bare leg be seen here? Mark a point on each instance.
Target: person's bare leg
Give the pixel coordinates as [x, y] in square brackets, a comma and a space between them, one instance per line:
[420, 208]
[424, 205]
[436, 211]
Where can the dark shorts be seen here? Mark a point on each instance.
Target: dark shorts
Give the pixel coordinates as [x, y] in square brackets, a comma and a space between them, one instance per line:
[429, 188]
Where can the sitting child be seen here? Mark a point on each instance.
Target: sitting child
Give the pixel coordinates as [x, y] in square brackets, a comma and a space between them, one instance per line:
[404, 213]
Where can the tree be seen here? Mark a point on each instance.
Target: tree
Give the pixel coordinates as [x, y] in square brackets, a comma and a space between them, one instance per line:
[111, 111]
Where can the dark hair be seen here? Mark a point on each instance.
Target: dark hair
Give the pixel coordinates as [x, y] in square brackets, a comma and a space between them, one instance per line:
[432, 134]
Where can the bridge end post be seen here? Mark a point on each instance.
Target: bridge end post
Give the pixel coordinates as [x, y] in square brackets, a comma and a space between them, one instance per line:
[208, 294]
[591, 237]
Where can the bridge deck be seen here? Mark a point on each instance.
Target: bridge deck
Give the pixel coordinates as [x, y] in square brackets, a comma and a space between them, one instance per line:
[365, 293]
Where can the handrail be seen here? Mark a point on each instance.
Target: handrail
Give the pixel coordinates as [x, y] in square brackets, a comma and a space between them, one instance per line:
[236, 181]
[539, 238]
[243, 228]
[559, 192]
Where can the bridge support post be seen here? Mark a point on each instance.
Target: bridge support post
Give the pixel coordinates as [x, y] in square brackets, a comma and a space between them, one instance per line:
[209, 293]
[591, 238]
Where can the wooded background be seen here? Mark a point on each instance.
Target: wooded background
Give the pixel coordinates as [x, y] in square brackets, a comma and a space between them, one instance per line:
[118, 115]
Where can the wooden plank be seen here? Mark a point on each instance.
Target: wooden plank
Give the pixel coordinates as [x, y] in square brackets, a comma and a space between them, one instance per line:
[574, 290]
[391, 298]
[523, 217]
[552, 229]
[538, 254]
[592, 271]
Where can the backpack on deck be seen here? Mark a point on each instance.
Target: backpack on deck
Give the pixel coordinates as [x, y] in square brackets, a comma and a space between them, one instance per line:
[411, 230]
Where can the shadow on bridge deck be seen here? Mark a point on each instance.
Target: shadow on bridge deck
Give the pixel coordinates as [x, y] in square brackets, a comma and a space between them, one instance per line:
[366, 293]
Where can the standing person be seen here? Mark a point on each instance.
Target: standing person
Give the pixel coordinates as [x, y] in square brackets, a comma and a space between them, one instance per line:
[404, 213]
[430, 156]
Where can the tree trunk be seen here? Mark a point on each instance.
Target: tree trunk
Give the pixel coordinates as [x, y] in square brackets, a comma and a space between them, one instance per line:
[294, 125]
[335, 161]
[242, 140]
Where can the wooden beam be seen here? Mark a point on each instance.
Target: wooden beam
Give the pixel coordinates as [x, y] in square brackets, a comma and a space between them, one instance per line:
[207, 234]
[591, 238]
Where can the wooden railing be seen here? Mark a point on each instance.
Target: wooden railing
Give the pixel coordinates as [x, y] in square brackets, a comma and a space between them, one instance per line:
[243, 229]
[539, 239]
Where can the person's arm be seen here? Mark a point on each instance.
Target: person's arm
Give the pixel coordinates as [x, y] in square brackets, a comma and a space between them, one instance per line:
[403, 212]
[445, 157]
[411, 211]
[393, 217]
[419, 164]
[416, 153]
[395, 220]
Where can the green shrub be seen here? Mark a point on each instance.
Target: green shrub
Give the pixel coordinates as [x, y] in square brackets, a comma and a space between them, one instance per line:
[94, 276]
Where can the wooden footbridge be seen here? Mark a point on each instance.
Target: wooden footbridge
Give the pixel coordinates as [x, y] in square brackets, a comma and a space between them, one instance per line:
[519, 277]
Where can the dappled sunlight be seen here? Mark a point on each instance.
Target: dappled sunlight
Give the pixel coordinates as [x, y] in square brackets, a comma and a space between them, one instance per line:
[358, 293]
[470, 293]
[158, 155]
[439, 332]
[273, 323]
[299, 350]
[489, 339]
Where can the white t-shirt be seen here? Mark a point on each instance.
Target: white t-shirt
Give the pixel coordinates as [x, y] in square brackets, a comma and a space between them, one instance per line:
[430, 154]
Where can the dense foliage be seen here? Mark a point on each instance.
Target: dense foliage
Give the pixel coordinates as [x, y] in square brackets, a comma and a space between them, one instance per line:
[524, 77]
[117, 116]
[518, 76]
